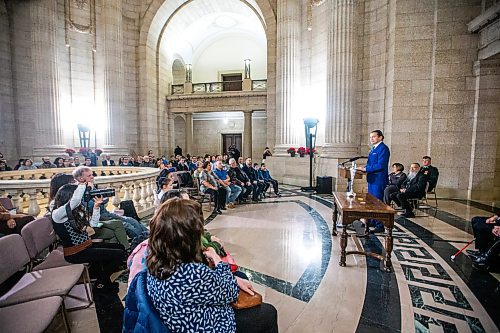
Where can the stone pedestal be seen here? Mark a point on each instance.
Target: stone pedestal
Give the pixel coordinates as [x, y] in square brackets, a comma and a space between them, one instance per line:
[247, 85]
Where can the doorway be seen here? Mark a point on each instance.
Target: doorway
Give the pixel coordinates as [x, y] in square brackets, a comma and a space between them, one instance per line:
[232, 82]
[231, 139]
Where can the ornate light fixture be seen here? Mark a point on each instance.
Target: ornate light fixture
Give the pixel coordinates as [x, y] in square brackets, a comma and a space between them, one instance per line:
[247, 68]
[189, 73]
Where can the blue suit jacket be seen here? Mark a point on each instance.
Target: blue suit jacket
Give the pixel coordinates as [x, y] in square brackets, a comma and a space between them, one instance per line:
[377, 167]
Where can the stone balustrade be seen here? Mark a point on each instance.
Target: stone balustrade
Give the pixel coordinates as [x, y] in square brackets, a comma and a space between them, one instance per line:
[29, 189]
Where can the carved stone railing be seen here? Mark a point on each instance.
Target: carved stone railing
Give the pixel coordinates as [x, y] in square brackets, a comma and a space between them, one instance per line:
[29, 189]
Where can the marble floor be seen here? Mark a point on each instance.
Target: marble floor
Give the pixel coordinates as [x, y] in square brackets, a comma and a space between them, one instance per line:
[286, 248]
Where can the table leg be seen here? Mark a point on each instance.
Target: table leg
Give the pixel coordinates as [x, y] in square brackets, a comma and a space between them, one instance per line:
[388, 250]
[343, 245]
[334, 218]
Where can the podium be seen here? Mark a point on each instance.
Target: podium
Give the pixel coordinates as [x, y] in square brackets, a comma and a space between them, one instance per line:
[346, 173]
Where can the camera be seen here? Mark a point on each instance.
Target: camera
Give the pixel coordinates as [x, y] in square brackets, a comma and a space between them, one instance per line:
[92, 193]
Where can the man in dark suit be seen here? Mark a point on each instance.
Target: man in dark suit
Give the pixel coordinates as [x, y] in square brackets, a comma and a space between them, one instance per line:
[433, 173]
[108, 161]
[257, 186]
[413, 188]
[377, 169]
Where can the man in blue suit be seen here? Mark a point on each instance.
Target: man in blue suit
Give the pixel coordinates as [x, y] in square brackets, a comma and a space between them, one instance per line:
[377, 169]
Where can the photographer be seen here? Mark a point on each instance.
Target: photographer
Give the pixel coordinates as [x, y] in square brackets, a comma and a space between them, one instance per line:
[132, 226]
[71, 222]
[487, 233]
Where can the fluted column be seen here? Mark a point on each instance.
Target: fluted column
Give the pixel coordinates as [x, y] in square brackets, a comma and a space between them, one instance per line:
[113, 77]
[287, 76]
[340, 133]
[48, 136]
[189, 133]
[247, 134]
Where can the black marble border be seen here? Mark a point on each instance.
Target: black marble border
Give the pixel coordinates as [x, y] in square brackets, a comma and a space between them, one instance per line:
[483, 285]
[489, 208]
[310, 280]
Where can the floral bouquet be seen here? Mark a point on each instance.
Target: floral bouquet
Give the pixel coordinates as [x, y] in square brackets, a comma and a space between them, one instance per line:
[98, 151]
[70, 151]
[290, 150]
[308, 151]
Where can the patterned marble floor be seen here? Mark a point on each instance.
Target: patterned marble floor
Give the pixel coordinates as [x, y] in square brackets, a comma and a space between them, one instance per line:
[285, 246]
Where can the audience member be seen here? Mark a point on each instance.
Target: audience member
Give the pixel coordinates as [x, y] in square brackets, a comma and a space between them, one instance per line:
[70, 222]
[264, 173]
[175, 260]
[257, 186]
[146, 162]
[182, 165]
[433, 173]
[12, 222]
[267, 152]
[126, 162]
[59, 162]
[487, 234]
[76, 161]
[232, 190]
[46, 164]
[4, 166]
[19, 164]
[239, 178]
[107, 160]
[165, 186]
[178, 151]
[396, 180]
[208, 184]
[413, 188]
[27, 165]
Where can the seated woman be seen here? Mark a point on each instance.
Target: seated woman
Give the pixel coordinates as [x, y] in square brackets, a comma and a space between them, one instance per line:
[165, 186]
[396, 179]
[188, 295]
[69, 218]
[12, 223]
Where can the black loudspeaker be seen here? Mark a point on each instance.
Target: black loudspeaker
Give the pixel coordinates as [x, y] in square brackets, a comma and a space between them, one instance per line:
[324, 184]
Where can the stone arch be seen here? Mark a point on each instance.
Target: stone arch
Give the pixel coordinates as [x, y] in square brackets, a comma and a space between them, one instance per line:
[154, 78]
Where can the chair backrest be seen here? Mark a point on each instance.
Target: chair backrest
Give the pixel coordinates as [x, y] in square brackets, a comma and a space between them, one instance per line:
[14, 255]
[38, 235]
[6, 203]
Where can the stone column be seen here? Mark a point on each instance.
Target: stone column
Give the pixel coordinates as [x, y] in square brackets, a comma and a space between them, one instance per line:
[247, 134]
[341, 129]
[113, 78]
[188, 117]
[49, 136]
[287, 76]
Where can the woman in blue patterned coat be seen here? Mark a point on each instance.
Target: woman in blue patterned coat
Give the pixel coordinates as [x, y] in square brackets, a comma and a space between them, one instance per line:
[188, 295]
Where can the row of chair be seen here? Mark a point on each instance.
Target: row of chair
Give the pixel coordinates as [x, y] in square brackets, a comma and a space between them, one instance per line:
[33, 302]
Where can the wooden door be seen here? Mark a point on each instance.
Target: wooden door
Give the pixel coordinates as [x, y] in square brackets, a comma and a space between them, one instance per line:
[232, 82]
[231, 139]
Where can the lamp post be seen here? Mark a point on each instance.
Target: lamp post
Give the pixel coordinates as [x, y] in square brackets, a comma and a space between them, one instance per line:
[311, 128]
[247, 68]
[189, 73]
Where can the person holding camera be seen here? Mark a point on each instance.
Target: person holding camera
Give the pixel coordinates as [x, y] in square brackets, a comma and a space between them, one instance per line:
[133, 227]
[71, 223]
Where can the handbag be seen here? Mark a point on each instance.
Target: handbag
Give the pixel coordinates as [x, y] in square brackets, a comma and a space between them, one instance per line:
[245, 300]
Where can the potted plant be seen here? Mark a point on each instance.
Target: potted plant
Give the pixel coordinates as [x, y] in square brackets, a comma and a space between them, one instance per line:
[291, 151]
[70, 151]
[301, 151]
[308, 151]
[98, 151]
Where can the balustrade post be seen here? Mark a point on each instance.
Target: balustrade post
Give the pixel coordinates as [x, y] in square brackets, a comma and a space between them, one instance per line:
[150, 193]
[144, 194]
[126, 188]
[116, 199]
[16, 201]
[137, 195]
[34, 208]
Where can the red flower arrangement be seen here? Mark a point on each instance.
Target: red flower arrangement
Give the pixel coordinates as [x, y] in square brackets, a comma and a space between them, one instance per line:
[83, 150]
[98, 151]
[70, 151]
[301, 150]
[291, 150]
[308, 151]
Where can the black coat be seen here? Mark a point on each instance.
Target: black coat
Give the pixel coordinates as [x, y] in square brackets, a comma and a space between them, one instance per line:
[397, 179]
[237, 176]
[417, 184]
[433, 176]
[251, 173]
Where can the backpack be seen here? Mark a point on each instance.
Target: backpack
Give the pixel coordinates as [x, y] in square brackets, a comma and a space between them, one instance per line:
[129, 209]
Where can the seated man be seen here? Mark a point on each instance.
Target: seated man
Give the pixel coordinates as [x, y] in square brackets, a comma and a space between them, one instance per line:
[182, 165]
[4, 166]
[396, 180]
[232, 190]
[268, 179]
[257, 186]
[238, 177]
[108, 161]
[412, 188]
[146, 162]
[46, 164]
[12, 223]
[433, 173]
[487, 234]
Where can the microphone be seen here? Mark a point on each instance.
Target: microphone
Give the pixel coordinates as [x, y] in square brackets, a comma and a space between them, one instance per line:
[356, 158]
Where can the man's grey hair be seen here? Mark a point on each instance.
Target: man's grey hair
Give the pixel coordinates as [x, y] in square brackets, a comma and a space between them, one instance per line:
[78, 172]
[231, 160]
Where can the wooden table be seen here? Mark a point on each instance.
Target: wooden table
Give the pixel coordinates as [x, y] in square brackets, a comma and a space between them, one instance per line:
[363, 206]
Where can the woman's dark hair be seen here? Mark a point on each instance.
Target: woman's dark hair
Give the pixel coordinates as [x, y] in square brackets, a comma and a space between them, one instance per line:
[205, 164]
[80, 214]
[174, 238]
[57, 181]
[399, 166]
[56, 161]
[175, 193]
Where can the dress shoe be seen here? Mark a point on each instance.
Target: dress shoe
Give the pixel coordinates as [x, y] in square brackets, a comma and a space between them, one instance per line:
[278, 195]
[217, 211]
[481, 263]
[408, 214]
[473, 252]
[377, 230]
[255, 200]
[223, 208]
